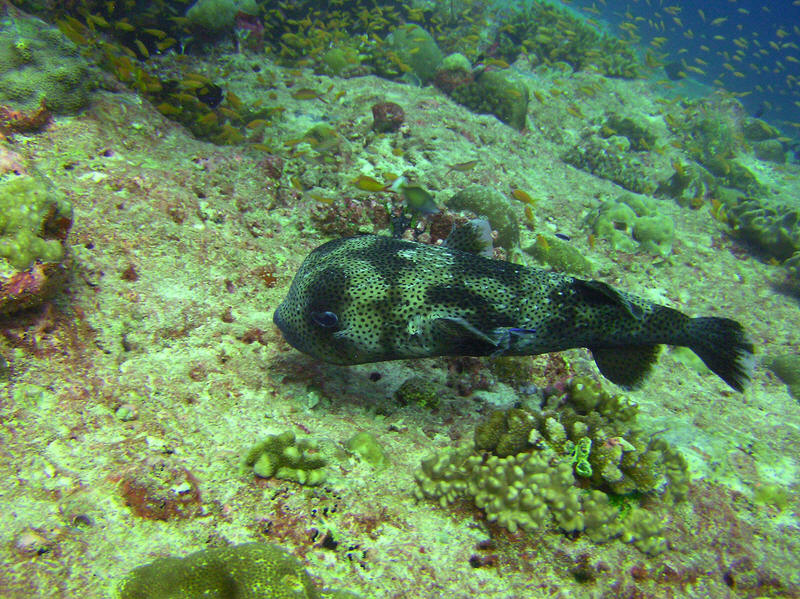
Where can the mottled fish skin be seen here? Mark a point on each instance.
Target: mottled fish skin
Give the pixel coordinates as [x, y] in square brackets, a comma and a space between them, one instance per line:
[373, 298]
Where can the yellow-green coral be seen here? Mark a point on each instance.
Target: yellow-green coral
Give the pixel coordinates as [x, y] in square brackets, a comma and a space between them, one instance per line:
[284, 456]
[29, 208]
[632, 223]
[418, 391]
[248, 571]
[38, 62]
[595, 431]
[532, 490]
[366, 446]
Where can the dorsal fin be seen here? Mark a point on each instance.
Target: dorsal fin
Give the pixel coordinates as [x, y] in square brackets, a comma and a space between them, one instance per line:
[474, 237]
[602, 293]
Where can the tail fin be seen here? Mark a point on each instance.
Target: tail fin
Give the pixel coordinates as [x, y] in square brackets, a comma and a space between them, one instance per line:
[723, 346]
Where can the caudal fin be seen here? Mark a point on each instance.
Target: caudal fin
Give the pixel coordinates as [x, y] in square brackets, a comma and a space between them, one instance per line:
[723, 346]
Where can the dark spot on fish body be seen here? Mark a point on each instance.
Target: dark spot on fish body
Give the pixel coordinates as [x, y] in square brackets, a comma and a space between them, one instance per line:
[383, 255]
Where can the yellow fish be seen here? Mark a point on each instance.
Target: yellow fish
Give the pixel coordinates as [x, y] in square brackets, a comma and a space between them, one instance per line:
[367, 183]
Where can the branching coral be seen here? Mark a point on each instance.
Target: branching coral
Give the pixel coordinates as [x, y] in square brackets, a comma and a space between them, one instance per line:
[522, 467]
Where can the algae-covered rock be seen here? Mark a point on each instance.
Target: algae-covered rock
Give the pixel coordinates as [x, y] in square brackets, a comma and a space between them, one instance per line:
[757, 130]
[787, 368]
[611, 158]
[560, 255]
[494, 92]
[772, 228]
[249, 571]
[638, 135]
[366, 446]
[494, 206]
[414, 47]
[34, 221]
[632, 223]
[689, 185]
[37, 62]
[214, 16]
[284, 456]
[770, 150]
[418, 391]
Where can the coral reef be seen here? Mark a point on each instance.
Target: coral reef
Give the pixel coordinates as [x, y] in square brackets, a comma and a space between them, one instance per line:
[631, 223]
[559, 255]
[772, 228]
[214, 16]
[712, 137]
[284, 456]
[37, 62]
[366, 446]
[689, 185]
[247, 571]
[610, 158]
[486, 202]
[520, 467]
[757, 130]
[552, 34]
[640, 138]
[34, 221]
[492, 92]
[21, 121]
[409, 49]
[770, 150]
[533, 491]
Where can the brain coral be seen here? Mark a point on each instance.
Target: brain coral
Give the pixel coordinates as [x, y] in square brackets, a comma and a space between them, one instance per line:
[244, 571]
[38, 62]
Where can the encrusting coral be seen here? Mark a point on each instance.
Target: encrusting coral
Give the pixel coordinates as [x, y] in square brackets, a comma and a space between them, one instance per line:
[244, 571]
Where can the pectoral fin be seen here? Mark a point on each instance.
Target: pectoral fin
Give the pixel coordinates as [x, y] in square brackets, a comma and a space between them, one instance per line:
[626, 366]
[463, 336]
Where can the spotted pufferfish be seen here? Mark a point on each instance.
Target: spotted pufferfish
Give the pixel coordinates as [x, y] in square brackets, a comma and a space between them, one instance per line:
[372, 298]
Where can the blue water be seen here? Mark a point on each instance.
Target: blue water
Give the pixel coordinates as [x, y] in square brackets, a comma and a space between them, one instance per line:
[759, 40]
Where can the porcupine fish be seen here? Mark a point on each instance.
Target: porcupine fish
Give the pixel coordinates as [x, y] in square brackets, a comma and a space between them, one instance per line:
[372, 298]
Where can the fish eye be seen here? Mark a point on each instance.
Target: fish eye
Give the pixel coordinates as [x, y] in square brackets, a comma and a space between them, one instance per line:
[326, 319]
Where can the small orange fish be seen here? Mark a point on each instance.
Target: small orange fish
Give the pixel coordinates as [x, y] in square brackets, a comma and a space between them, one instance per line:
[522, 196]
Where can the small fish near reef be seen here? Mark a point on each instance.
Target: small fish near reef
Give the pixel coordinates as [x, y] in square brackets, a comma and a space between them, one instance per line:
[372, 298]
